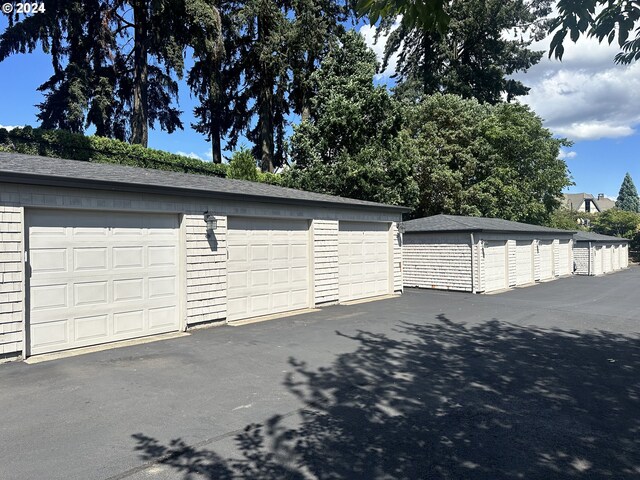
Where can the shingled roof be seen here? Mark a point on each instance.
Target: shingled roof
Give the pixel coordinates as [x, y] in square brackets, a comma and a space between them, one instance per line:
[457, 223]
[598, 238]
[30, 169]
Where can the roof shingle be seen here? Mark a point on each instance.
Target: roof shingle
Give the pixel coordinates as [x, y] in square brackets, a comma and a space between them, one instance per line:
[20, 168]
[458, 223]
[597, 237]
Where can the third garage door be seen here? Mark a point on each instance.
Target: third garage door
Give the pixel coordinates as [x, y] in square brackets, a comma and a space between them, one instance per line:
[268, 266]
[363, 256]
[524, 262]
[546, 259]
[495, 257]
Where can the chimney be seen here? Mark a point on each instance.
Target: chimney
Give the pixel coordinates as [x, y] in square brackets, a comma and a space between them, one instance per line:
[600, 196]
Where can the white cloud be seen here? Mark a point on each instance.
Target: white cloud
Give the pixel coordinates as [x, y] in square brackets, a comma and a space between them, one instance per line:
[190, 155]
[564, 154]
[586, 96]
[10, 127]
[369, 34]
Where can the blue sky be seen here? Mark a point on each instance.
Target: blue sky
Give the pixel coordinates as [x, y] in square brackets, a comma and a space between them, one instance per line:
[585, 98]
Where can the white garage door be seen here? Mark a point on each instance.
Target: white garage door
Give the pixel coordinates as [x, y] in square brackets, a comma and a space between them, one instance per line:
[363, 257]
[606, 263]
[546, 259]
[624, 256]
[616, 257]
[495, 265]
[268, 266]
[98, 277]
[598, 261]
[524, 262]
[564, 258]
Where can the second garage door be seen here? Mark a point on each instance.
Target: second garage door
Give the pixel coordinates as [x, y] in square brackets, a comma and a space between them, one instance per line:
[495, 258]
[546, 259]
[565, 266]
[98, 277]
[363, 257]
[268, 266]
[524, 262]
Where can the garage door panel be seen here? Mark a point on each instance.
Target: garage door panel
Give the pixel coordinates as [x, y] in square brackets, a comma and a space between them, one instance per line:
[162, 256]
[94, 258]
[495, 265]
[90, 293]
[45, 260]
[128, 322]
[98, 275]
[564, 255]
[162, 317]
[127, 290]
[268, 266]
[127, 257]
[91, 327]
[160, 287]
[363, 251]
[50, 334]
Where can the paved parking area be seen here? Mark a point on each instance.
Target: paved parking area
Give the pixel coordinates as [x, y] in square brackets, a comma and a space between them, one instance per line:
[537, 383]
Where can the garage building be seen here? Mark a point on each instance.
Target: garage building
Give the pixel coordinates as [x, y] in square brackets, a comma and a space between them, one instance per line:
[94, 253]
[481, 255]
[597, 254]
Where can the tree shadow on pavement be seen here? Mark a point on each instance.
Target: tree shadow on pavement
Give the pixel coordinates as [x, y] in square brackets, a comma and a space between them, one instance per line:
[447, 401]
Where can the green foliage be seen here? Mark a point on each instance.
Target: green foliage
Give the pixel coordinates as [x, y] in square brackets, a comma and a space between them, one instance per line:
[428, 15]
[570, 219]
[242, 166]
[613, 20]
[352, 145]
[62, 144]
[628, 196]
[478, 159]
[617, 222]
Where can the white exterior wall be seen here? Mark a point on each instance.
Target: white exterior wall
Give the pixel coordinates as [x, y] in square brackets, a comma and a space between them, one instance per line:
[441, 261]
[599, 265]
[325, 253]
[397, 258]
[11, 284]
[206, 270]
[511, 255]
[584, 257]
[536, 260]
[204, 267]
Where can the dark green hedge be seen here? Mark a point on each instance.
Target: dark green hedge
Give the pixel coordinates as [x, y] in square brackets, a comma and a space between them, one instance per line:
[74, 146]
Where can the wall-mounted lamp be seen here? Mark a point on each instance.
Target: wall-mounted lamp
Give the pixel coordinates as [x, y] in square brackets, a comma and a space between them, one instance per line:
[401, 227]
[212, 223]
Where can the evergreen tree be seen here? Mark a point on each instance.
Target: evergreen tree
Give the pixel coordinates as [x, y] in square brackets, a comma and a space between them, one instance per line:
[115, 62]
[352, 144]
[628, 196]
[473, 58]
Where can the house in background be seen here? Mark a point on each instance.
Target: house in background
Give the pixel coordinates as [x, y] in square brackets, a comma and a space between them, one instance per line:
[585, 202]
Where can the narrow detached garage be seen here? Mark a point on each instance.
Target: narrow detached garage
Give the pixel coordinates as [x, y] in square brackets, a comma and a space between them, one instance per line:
[597, 254]
[482, 255]
[94, 253]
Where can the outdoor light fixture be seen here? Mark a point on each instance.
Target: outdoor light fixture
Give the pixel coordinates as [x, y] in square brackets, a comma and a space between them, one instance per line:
[212, 223]
[401, 228]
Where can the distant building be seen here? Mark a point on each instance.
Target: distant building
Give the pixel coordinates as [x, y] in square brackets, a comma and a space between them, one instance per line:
[585, 202]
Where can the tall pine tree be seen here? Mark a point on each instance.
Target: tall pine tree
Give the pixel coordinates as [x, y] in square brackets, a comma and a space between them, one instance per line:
[628, 196]
[473, 57]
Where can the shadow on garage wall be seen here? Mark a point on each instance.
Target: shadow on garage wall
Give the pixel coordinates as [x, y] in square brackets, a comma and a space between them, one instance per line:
[491, 401]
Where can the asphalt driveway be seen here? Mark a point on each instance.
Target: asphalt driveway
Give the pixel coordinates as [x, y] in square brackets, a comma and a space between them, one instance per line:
[535, 383]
